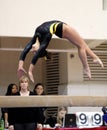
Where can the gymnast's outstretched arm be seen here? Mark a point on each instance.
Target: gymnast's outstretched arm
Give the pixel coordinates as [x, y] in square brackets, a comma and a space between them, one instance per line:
[42, 48]
[34, 60]
[28, 47]
[38, 53]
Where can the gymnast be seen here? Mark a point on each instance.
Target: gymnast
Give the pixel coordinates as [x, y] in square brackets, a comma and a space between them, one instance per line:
[40, 42]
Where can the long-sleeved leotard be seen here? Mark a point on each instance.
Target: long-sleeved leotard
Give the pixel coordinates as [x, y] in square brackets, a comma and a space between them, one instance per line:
[44, 33]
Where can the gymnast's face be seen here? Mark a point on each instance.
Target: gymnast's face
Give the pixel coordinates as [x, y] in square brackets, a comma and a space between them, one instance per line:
[35, 47]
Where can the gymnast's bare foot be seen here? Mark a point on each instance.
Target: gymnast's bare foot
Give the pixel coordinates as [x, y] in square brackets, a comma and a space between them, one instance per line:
[87, 72]
[98, 61]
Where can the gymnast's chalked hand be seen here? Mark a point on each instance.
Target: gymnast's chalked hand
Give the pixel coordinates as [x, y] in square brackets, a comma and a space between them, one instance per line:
[31, 76]
[30, 72]
[20, 72]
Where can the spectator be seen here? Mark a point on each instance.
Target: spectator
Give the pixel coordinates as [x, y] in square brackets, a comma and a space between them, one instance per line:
[39, 90]
[7, 113]
[104, 110]
[25, 118]
[56, 120]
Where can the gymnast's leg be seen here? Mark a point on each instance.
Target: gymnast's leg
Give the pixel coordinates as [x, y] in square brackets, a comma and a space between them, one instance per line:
[73, 36]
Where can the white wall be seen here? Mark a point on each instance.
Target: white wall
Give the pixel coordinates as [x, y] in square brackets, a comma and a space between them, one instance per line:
[76, 86]
[20, 17]
[86, 89]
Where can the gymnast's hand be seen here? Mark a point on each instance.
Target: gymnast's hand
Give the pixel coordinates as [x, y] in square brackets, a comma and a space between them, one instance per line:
[21, 70]
[30, 72]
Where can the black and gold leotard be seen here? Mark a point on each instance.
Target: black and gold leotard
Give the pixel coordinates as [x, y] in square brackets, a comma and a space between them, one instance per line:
[44, 32]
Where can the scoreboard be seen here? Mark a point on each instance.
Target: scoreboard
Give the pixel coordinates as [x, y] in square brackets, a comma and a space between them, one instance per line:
[83, 119]
[89, 118]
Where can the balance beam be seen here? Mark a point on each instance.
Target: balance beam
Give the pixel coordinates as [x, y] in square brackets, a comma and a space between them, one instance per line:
[53, 101]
